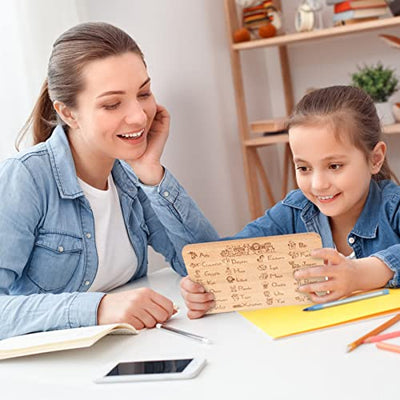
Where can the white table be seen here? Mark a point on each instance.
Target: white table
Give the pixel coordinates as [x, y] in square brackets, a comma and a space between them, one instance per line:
[243, 362]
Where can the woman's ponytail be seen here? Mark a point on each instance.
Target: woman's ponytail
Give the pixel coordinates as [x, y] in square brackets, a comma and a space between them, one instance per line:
[43, 119]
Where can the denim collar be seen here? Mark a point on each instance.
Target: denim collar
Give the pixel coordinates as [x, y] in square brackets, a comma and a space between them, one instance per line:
[296, 199]
[367, 223]
[64, 172]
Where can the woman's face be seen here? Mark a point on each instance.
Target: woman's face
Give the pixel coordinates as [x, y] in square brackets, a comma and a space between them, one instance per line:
[114, 111]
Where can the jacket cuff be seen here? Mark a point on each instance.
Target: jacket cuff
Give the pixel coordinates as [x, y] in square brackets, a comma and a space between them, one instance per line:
[83, 309]
[392, 263]
[166, 192]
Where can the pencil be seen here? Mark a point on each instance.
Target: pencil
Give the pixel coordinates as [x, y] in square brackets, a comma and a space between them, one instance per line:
[184, 333]
[388, 346]
[346, 300]
[380, 338]
[379, 329]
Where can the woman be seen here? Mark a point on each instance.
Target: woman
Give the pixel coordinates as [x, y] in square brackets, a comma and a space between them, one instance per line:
[75, 219]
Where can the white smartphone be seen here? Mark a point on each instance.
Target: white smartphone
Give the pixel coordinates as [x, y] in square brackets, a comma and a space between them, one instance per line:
[153, 370]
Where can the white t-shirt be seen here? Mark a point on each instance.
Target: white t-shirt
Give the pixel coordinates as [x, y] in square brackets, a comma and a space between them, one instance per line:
[116, 256]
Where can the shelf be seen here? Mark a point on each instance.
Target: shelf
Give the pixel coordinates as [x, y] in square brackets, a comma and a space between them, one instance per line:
[261, 141]
[392, 129]
[267, 140]
[319, 34]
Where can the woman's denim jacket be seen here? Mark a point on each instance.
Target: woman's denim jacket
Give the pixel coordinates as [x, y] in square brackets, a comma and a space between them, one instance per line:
[48, 256]
[376, 232]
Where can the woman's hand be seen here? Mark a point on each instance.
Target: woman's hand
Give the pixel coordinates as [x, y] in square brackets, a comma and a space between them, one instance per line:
[148, 167]
[141, 308]
[342, 276]
[197, 300]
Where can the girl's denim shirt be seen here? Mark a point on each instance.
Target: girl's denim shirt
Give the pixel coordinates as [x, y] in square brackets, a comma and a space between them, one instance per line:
[48, 256]
[376, 232]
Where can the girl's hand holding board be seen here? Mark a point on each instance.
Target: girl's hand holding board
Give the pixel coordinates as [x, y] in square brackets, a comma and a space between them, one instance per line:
[344, 275]
[246, 274]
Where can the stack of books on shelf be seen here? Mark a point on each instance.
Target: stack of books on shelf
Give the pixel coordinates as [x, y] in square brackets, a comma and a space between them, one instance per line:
[257, 16]
[354, 11]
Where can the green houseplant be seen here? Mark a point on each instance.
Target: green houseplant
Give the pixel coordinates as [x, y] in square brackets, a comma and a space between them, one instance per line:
[380, 83]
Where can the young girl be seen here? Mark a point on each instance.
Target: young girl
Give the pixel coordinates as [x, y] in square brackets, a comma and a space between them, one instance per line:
[76, 220]
[345, 194]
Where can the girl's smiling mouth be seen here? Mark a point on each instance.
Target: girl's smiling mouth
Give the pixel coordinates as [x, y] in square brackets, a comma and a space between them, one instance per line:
[326, 199]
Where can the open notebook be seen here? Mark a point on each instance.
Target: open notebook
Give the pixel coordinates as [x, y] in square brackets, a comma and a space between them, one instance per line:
[65, 339]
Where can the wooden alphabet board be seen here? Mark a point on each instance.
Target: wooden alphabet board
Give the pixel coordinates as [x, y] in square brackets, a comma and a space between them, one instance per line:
[247, 274]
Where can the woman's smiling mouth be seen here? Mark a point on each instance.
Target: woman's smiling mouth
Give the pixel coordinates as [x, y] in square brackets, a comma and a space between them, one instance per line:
[132, 135]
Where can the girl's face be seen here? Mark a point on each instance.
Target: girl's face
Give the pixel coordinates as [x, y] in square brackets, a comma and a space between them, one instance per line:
[332, 174]
[114, 111]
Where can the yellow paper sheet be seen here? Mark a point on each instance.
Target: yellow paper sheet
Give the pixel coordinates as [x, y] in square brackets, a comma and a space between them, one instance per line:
[284, 321]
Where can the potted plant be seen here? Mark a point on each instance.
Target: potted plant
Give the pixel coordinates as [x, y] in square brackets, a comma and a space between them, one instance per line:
[380, 83]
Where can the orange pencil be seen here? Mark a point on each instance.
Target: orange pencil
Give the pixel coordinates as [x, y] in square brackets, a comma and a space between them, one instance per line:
[388, 346]
[379, 329]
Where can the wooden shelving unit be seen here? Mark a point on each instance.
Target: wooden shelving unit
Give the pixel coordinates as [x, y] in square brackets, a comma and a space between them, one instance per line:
[284, 138]
[250, 137]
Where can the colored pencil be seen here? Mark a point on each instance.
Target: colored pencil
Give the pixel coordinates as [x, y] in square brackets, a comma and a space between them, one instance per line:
[380, 338]
[388, 346]
[346, 300]
[379, 329]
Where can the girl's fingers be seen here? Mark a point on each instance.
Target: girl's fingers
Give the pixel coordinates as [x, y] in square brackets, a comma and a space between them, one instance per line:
[200, 306]
[195, 314]
[198, 297]
[189, 286]
[323, 299]
[330, 255]
[320, 272]
[316, 287]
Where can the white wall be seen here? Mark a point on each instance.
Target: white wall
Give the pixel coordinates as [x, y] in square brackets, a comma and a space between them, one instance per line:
[27, 31]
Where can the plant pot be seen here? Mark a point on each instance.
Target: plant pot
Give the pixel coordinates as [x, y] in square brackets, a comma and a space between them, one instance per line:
[396, 111]
[384, 111]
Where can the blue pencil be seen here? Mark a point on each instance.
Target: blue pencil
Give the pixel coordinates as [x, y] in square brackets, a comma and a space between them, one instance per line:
[363, 296]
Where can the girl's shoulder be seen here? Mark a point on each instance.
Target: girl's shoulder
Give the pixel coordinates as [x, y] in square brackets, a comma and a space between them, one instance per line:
[389, 198]
[389, 189]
